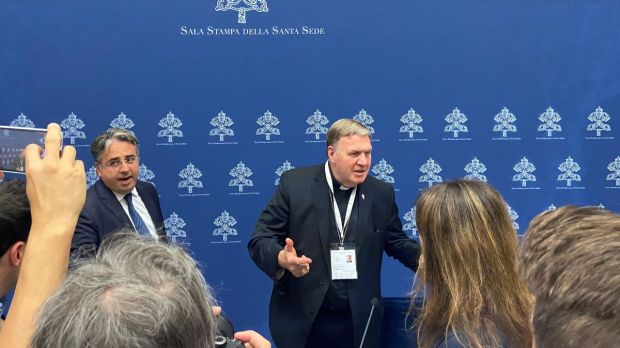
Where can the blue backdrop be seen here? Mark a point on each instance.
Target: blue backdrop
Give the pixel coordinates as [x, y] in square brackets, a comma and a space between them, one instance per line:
[524, 94]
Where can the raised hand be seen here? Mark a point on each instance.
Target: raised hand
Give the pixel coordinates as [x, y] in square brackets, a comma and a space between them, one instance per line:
[55, 184]
[288, 259]
[56, 189]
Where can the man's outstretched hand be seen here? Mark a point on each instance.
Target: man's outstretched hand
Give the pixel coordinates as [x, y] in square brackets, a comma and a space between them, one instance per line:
[288, 259]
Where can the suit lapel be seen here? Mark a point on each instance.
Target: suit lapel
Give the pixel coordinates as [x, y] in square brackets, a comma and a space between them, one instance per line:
[108, 200]
[320, 198]
[364, 200]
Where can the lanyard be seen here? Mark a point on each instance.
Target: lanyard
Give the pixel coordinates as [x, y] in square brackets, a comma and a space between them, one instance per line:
[342, 231]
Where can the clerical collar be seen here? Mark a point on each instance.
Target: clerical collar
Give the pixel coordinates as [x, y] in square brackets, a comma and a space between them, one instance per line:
[344, 188]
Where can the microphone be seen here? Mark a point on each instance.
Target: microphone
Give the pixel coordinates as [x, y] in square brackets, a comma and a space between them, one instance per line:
[373, 303]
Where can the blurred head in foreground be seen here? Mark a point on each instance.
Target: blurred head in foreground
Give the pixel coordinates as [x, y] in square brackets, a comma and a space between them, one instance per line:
[570, 258]
[135, 293]
[473, 293]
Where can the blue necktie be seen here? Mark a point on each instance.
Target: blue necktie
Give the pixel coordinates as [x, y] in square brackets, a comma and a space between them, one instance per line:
[135, 217]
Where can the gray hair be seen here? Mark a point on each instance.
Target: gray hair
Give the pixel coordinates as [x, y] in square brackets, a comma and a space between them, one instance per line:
[102, 142]
[135, 293]
[345, 127]
[571, 261]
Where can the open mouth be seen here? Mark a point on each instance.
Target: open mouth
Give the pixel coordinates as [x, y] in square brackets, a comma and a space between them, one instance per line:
[125, 180]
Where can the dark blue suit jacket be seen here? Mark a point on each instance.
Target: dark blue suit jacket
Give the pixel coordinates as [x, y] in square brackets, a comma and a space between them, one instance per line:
[103, 213]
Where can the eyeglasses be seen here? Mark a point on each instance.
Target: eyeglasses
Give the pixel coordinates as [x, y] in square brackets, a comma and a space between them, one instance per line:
[116, 162]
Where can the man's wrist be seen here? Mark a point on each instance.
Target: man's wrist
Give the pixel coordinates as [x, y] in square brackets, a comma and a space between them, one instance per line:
[281, 265]
[281, 259]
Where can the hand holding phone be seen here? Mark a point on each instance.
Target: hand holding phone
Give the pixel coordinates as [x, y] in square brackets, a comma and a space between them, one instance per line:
[13, 140]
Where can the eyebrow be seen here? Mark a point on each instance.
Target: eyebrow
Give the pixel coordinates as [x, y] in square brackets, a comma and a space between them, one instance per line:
[118, 158]
[360, 151]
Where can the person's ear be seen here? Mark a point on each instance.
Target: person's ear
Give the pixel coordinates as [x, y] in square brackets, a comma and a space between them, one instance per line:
[330, 152]
[17, 253]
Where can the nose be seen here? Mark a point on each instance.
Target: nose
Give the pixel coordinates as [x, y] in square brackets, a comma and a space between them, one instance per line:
[362, 160]
[124, 167]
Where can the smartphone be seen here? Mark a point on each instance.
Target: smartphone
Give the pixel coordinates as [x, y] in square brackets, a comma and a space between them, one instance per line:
[13, 140]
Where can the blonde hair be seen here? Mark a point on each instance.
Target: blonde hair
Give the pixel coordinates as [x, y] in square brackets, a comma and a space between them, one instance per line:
[469, 274]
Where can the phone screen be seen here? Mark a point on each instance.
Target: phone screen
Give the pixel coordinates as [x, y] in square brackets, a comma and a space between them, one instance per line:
[13, 140]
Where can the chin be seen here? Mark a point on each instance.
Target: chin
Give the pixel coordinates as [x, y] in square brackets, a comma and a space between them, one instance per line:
[357, 181]
[128, 187]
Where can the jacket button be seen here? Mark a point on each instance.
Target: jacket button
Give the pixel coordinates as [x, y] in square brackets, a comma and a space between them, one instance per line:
[319, 285]
[310, 313]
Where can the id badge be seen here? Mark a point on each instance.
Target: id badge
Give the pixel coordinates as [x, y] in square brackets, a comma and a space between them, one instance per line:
[344, 264]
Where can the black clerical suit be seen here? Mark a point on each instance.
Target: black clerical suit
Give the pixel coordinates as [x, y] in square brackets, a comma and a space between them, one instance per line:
[300, 209]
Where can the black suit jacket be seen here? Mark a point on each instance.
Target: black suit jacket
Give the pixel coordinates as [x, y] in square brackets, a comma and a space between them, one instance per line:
[103, 213]
[300, 209]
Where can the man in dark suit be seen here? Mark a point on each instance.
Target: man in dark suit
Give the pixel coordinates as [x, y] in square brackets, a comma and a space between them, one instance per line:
[119, 199]
[318, 218]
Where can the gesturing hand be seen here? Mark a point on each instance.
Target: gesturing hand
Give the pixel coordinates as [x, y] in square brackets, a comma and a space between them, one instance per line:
[288, 259]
